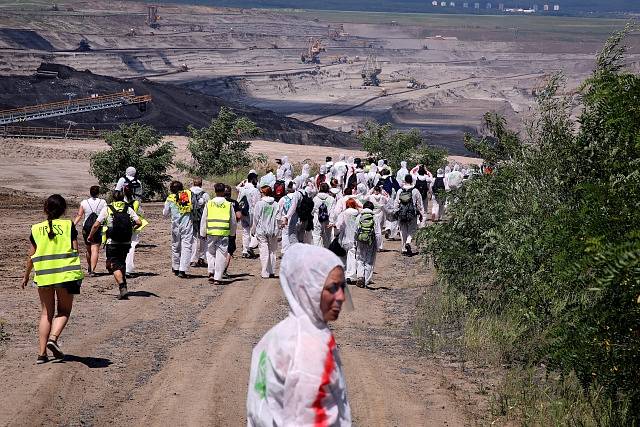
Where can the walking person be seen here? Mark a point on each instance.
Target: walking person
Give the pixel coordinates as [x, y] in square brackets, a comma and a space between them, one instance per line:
[178, 206]
[323, 204]
[265, 227]
[409, 210]
[285, 204]
[131, 180]
[248, 196]
[199, 246]
[135, 236]
[368, 236]
[220, 220]
[438, 196]
[232, 232]
[58, 275]
[88, 213]
[346, 227]
[379, 202]
[296, 376]
[118, 220]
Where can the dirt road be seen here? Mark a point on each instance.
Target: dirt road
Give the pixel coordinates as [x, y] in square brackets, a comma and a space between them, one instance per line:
[178, 352]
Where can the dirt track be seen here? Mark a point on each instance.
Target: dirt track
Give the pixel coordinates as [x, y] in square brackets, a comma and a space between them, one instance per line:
[178, 352]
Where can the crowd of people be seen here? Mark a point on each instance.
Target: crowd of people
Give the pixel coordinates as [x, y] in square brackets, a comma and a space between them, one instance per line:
[338, 217]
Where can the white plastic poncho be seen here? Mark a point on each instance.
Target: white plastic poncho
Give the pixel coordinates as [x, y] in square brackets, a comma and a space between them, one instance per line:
[296, 375]
[402, 172]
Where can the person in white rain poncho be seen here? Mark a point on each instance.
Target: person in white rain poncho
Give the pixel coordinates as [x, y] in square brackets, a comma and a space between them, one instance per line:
[296, 376]
[178, 206]
[346, 226]
[322, 210]
[402, 172]
[248, 196]
[368, 236]
[265, 227]
[301, 180]
[379, 201]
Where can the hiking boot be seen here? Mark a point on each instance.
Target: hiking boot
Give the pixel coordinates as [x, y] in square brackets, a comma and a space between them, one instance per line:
[387, 233]
[182, 275]
[124, 293]
[407, 249]
[202, 263]
[53, 346]
[360, 282]
[252, 254]
[175, 272]
[42, 359]
[245, 255]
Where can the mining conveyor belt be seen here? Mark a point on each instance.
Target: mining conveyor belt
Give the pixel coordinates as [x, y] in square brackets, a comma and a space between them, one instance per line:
[72, 106]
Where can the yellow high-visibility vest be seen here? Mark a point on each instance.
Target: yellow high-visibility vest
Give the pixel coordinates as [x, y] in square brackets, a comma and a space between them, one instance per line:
[55, 260]
[136, 207]
[182, 208]
[218, 218]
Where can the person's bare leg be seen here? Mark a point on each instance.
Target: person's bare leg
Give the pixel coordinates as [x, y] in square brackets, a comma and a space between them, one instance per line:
[47, 302]
[89, 263]
[117, 274]
[95, 252]
[65, 303]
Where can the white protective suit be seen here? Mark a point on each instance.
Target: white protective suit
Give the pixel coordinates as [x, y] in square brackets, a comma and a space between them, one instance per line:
[181, 236]
[321, 232]
[301, 180]
[366, 252]
[268, 179]
[380, 202]
[296, 376]
[253, 196]
[280, 173]
[455, 177]
[265, 227]
[347, 225]
[402, 172]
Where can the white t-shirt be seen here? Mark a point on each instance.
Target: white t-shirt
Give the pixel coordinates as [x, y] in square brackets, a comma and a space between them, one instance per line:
[92, 205]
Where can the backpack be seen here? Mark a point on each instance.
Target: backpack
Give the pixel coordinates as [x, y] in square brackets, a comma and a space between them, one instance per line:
[244, 206]
[323, 212]
[423, 187]
[196, 212]
[279, 190]
[270, 211]
[287, 204]
[135, 186]
[366, 228]
[304, 209]
[407, 211]
[121, 228]
[438, 185]
[88, 224]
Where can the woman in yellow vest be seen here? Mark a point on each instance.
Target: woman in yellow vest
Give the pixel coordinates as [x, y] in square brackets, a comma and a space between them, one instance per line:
[54, 258]
[179, 206]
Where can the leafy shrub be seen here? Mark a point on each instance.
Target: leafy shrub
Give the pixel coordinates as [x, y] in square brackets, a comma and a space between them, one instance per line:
[221, 147]
[140, 146]
[381, 142]
[546, 250]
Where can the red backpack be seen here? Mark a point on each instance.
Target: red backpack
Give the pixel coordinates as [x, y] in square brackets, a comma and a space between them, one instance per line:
[279, 190]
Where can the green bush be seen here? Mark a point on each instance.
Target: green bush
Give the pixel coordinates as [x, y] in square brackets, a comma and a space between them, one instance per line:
[140, 146]
[546, 250]
[381, 142]
[221, 147]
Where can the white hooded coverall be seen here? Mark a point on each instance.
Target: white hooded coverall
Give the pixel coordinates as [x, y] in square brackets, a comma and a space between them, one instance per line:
[296, 376]
[265, 228]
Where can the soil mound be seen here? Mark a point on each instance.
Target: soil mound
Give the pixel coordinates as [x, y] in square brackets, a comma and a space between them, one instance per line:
[173, 108]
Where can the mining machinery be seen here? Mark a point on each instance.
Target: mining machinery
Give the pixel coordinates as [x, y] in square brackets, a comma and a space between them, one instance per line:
[152, 16]
[312, 55]
[371, 70]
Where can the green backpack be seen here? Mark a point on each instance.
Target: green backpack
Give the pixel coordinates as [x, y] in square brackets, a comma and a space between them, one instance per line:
[366, 228]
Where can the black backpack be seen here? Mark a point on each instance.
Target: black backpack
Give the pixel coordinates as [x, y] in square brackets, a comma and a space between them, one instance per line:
[121, 228]
[323, 212]
[423, 187]
[244, 206]
[196, 211]
[88, 225]
[407, 211]
[304, 209]
[438, 185]
[135, 186]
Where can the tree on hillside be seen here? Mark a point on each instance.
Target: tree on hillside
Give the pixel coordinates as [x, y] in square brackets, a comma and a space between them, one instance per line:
[140, 146]
[381, 142]
[222, 146]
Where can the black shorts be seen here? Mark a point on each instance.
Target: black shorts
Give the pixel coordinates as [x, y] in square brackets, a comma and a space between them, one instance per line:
[72, 287]
[117, 256]
[232, 245]
[97, 238]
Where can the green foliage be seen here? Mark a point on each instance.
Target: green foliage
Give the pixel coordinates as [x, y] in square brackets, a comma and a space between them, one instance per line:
[381, 142]
[546, 250]
[221, 147]
[136, 145]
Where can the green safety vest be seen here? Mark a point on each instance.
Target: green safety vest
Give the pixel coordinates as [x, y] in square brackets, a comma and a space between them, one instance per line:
[218, 218]
[55, 260]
